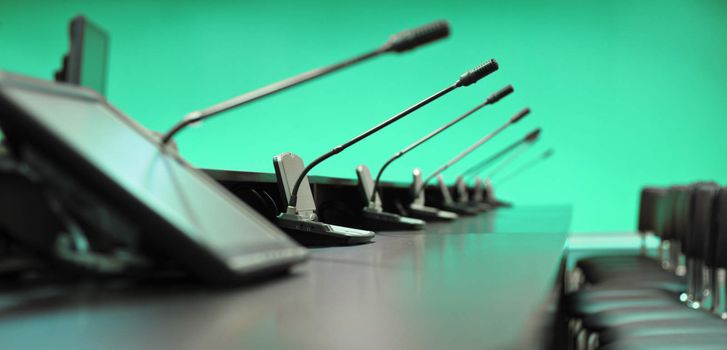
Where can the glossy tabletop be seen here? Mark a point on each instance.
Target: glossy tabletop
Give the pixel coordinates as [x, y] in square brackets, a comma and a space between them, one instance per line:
[477, 283]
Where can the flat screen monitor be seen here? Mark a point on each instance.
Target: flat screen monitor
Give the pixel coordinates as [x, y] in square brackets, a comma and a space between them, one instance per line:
[86, 63]
[177, 208]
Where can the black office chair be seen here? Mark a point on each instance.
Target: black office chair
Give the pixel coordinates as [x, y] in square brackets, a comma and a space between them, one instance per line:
[678, 233]
[717, 261]
[628, 281]
[640, 327]
[597, 295]
[647, 224]
[656, 207]
[671, 342]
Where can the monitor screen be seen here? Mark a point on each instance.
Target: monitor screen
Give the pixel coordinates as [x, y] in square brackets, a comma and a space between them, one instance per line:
[189, 201]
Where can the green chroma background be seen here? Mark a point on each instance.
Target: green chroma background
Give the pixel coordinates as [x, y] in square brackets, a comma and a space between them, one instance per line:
[628, 92]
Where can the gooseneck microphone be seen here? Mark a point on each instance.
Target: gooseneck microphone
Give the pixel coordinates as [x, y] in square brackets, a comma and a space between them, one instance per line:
[516, 118]
[492, 99]
[543, 156]
[467, 78]
[529, 138]
[487, 194]
[401, 42]
[507, 162]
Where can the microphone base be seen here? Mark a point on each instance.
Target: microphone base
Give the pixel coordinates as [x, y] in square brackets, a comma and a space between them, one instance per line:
[384, 221]
[500, 204]
[316, 233]
[430, 214]
[460, 209]
[480, 207]
[493, 203]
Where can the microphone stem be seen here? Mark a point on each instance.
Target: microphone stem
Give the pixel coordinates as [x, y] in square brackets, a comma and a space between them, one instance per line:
[266, 91]
[481, 165]
[507, 161]
[521, 169]
[421, 141]
[294, 193]
[460, 156]
[381, 171]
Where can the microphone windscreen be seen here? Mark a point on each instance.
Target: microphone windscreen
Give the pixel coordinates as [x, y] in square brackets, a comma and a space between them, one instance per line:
[410, 39]
[516, 118]
[497, 96]
[533, 135]
[473, 75]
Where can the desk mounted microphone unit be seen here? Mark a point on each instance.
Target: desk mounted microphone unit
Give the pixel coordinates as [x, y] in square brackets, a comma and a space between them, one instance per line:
[400, 42]
[418, 207]
[478, 196]
[450, 205]
[302, 223]
[373, 213]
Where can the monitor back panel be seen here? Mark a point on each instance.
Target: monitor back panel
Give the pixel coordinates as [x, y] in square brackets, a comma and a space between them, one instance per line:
[76, 126]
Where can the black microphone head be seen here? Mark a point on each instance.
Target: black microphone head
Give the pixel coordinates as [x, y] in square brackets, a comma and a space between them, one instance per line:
[473, 75]
[410, 39]
[520, 115]
[499, 95]
[533, 136]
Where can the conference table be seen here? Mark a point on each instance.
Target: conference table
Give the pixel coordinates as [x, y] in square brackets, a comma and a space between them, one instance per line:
[483, 282]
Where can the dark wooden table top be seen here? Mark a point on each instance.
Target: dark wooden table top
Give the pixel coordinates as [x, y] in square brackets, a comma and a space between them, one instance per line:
[477, 283]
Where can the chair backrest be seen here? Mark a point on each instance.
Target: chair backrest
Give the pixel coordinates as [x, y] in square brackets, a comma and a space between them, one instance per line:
[665, 214]
[681, 211]
[700, 221]
[648, 205]
[660, 214]
[720, 230]
[710, 241]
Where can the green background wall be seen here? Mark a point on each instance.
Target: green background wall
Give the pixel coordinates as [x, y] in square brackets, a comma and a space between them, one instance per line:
[628, 92]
